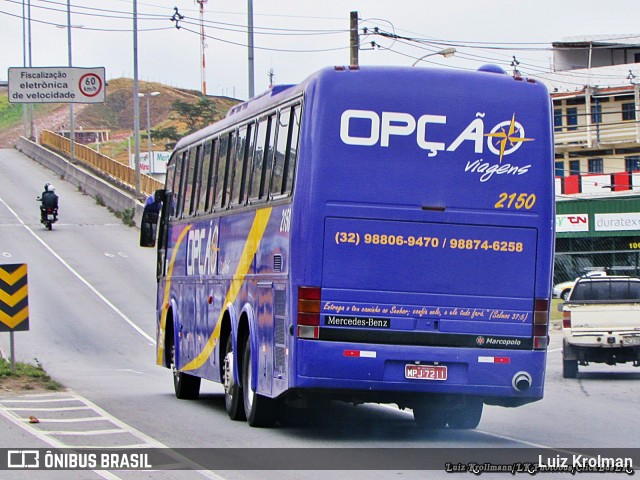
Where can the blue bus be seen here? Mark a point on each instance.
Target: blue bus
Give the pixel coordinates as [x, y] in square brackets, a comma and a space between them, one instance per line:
[373, 234]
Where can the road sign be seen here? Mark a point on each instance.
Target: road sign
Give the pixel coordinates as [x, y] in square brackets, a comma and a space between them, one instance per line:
[56, 85]
[14, 301]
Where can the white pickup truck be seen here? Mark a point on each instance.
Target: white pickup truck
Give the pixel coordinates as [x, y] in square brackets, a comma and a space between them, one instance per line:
[601, 323]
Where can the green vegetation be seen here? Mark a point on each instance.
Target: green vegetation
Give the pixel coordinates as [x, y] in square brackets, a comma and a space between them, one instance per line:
[126, 216]
[196, 115]
[10, 113]
[26, 377]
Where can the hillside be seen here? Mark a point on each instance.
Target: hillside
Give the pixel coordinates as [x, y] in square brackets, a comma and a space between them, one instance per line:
[115, 115]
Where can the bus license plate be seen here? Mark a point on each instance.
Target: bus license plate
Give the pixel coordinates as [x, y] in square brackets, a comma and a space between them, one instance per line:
[425, 372]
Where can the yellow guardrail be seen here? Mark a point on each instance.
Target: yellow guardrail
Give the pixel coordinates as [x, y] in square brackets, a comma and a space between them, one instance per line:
[109, 166]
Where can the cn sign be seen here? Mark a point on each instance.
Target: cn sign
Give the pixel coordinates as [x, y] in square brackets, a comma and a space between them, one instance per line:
[56, 85]
[573, 222]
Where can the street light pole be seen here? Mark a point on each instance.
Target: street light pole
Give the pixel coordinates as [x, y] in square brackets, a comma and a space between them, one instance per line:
[72, 134]
[136, 103]
[148, 96]
[445, 52]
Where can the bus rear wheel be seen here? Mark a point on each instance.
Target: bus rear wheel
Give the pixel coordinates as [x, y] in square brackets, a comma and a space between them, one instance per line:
[456, 413]
[260, 411]
[429, 417]
[187, 387]
[465, 415]
[232, 391]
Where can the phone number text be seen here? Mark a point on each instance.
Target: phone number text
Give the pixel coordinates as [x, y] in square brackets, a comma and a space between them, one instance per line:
[454, 243]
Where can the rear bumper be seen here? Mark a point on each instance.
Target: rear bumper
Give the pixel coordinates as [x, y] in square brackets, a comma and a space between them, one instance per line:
[604, 339]
[488, 373]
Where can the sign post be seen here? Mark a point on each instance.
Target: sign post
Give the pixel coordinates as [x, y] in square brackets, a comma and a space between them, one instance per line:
[56, 85]
[14, 302]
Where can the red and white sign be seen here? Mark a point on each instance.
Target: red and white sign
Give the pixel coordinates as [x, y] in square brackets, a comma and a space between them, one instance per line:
[572, 222]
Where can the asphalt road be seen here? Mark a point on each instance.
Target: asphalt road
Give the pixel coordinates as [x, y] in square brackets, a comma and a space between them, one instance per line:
[91, 303]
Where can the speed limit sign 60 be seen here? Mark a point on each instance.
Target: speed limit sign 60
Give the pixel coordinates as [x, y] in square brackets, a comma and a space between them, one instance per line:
[90, 85]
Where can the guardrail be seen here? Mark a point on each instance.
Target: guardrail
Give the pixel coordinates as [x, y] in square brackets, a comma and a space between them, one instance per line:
[87, 156]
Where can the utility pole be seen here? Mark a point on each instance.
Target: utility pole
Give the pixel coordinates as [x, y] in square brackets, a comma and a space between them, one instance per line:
[354, 40]
[250, 47]
[203, 45]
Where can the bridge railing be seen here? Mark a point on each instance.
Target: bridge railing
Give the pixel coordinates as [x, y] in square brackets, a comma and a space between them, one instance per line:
[120, 172]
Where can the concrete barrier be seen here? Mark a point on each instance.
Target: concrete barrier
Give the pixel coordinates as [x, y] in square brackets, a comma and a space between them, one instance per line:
[118, 198]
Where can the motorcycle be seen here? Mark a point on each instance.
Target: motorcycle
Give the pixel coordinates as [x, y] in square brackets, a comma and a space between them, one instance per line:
[49, 217]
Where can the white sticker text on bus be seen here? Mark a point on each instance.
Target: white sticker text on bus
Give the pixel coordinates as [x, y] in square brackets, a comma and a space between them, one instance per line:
[375, 129]
[202, 251]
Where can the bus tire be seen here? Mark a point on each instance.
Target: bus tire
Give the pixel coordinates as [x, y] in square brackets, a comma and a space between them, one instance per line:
[429, 416]
[233, 403]
[187, 387]
[260, 411]
[465, 415]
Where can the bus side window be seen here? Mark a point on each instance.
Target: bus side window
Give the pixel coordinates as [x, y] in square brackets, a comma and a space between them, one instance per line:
[189, 182]
[228, 182]
[223, 161]
[205, 181]
[238, 165]
[245, 145]
[279, 163]
[211, 196]
[197, 179]
[181, 168]
[171, 175]
[292, 150]
[260, 160]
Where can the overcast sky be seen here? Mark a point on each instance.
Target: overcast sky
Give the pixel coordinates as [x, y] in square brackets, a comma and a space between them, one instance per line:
[294, 38]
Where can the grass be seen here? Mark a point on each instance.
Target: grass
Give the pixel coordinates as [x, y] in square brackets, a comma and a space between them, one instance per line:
[26, 377]
[10, 113]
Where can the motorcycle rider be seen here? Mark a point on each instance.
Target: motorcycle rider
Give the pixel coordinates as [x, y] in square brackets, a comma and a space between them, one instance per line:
[48, 199]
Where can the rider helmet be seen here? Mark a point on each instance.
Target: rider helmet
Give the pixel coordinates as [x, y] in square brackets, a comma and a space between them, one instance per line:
[50, 188]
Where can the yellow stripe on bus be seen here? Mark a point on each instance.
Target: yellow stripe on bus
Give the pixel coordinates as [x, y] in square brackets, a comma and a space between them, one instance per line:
[165, 297]
[246, 258]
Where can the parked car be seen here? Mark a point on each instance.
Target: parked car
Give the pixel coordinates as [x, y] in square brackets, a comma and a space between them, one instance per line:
[601, 323]
[563, 289]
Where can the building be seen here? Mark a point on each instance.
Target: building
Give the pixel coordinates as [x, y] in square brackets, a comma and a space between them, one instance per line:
[87, 136]
[595, 90]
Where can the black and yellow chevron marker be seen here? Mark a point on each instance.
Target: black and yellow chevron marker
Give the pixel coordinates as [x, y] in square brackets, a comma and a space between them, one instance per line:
[14, 301]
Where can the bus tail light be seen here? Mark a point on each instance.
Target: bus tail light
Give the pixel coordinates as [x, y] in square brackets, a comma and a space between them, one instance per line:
[540, 323]
[309, 312]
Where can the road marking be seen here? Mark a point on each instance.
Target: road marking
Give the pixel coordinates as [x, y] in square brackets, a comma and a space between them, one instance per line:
[80, 277]
[132, 437]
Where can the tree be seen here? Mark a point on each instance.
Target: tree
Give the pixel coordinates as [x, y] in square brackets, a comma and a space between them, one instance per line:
[170, 133]
[195, 115]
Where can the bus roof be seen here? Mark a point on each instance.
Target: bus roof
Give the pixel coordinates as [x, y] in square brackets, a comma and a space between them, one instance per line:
[281, 93]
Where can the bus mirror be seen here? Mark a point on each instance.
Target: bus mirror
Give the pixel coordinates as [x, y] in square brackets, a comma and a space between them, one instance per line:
[149, 224]
[159, 196]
